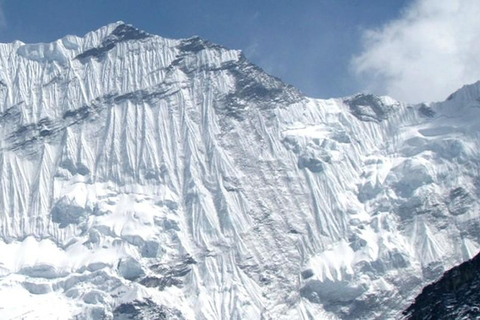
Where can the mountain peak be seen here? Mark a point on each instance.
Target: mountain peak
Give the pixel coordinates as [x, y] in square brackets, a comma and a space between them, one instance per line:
[117, 32]
[113, 25]
[466, 93]
[125, 31]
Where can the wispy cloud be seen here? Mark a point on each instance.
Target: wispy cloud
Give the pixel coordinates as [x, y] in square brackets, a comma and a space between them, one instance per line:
[426, 54]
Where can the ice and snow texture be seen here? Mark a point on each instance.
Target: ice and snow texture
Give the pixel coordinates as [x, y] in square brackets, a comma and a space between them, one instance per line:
[142, 175]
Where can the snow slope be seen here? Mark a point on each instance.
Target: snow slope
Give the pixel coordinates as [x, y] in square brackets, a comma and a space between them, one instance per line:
[141, 175]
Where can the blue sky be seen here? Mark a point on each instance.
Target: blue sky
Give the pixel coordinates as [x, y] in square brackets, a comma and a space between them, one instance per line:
[317, 46]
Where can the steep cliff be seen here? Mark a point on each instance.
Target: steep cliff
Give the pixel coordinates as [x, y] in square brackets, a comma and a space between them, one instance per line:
[455, 296]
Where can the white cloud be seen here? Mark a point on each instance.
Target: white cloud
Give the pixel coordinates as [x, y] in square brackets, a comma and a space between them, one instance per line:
[429, 52]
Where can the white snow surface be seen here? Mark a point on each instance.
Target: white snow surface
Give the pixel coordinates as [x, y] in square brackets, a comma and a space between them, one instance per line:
[136, 168]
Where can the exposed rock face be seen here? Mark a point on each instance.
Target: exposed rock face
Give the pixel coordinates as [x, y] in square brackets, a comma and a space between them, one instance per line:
[455, 296]
[143, 175]
[368, 107]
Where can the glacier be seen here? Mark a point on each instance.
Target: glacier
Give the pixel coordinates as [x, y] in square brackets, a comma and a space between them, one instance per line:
[144, 177]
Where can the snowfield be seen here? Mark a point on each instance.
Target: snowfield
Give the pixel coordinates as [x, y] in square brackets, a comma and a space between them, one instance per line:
[145, 178]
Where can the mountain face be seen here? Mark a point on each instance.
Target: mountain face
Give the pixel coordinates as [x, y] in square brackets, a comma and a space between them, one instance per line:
[143, 177]
[455, 296]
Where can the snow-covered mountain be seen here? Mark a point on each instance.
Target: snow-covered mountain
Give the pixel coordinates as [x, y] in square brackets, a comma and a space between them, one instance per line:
[143, 177]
